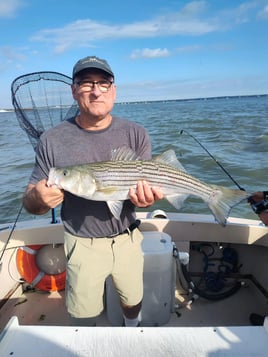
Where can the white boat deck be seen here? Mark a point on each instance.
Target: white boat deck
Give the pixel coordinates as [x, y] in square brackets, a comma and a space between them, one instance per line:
[67, 341]
[37, 323]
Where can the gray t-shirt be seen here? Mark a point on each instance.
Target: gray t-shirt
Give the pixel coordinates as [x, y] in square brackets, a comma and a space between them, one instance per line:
[67, 144]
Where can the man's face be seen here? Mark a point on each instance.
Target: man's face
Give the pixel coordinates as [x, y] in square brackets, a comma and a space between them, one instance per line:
[94, 99]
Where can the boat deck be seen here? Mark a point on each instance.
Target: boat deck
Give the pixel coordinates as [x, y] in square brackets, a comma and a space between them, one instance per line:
[43, 308]
[37, 323]
[204, 328]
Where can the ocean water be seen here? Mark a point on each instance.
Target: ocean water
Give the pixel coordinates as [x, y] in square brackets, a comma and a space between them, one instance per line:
[234, 130]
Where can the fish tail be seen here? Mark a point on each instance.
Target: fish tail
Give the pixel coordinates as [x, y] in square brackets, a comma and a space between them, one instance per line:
[222, 200]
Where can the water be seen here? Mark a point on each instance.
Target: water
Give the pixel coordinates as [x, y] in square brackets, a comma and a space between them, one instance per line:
[234, 130]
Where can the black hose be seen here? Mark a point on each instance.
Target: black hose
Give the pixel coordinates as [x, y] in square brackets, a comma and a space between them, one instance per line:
[205, 295]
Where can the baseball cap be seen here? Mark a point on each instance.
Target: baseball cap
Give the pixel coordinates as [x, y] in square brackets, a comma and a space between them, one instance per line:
[92, 62]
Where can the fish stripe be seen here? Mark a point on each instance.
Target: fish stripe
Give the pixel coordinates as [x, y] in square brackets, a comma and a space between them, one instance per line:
[113, 174]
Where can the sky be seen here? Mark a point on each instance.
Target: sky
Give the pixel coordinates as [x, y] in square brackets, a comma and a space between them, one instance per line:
[158, 49]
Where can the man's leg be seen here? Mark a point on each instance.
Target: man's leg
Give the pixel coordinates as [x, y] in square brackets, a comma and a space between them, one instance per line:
[128, 274]
[89, 262]
[131, 314]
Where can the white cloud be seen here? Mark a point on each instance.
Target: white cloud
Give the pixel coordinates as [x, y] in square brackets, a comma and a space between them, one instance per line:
[263, 14]
[194, 8]
[85, 33]
[8, 8]
[10, 54]
[196, 18]
[150, 53]
[192, 88]
[186, 49]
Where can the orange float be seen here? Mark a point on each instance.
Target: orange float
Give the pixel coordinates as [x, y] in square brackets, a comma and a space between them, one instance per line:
[28, 268]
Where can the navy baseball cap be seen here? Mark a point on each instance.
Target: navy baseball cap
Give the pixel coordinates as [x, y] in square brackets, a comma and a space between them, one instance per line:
[92, 62]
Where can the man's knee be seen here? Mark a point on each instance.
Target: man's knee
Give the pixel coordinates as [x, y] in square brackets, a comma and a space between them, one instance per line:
[131, 312]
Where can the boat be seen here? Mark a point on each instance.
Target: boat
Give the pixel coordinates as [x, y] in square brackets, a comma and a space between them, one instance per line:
[201, 283]
[201, 280]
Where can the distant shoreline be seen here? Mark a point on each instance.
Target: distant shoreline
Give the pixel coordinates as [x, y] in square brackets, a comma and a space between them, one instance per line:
[193, 99]
[6, 110]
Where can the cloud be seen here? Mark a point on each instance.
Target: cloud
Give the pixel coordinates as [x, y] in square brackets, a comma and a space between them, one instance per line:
[150, 53]
[10, 55]
[187, 49]
[8, 8]
[196, 18]
[194, 8]
[85, 33]
[192, 88]
[263, 14]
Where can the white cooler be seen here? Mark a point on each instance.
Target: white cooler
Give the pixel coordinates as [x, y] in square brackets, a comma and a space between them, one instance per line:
[159, 283]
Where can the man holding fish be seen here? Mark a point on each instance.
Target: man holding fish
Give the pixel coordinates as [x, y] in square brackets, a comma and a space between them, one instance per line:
[96, 243]
[99, 167]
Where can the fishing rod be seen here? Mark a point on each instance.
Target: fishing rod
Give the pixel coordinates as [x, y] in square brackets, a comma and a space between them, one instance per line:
[10, 234]
[213, 158]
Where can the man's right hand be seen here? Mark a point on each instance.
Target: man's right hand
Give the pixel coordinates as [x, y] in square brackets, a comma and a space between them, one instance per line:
[39, 198]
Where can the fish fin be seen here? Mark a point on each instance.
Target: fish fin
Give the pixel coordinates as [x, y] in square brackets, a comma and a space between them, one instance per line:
[222, 200]
[169, 158]
[107, 190]
[116, 208]
[176, 200]
[124, 154]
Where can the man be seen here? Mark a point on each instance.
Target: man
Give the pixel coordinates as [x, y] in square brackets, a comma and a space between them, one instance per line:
[259, 204]
[96, 243]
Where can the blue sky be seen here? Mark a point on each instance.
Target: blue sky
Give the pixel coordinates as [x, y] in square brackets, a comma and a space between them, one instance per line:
[158, 49]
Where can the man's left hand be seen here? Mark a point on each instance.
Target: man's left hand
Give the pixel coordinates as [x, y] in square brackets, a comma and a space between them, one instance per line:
[145, 195]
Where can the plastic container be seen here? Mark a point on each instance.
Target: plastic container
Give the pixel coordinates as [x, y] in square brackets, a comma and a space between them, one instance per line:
[159, 283]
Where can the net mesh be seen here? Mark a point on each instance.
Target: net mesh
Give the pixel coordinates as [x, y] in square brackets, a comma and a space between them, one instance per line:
[42, 100]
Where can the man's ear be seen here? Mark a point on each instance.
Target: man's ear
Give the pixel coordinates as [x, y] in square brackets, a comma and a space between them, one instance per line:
[74, 88]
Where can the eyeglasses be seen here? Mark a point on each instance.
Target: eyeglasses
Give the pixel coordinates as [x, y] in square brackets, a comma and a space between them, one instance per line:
[104, 85]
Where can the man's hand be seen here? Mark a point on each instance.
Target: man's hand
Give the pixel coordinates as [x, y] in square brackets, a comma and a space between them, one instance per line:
[145, 195]
[51, 196]
[258, 197]
[39, 198]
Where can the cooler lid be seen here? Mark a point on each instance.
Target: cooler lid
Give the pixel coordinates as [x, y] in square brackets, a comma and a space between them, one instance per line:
[156, 242]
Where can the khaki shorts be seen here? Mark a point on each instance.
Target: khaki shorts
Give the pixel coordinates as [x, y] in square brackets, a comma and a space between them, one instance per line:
[91, 260]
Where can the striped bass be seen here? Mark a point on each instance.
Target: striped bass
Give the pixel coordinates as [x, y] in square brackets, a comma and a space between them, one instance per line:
[110, 182]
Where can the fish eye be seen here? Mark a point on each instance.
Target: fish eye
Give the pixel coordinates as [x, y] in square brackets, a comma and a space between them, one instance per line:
[65, 172]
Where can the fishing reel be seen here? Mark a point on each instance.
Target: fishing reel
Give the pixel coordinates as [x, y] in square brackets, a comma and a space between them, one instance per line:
[261, 206]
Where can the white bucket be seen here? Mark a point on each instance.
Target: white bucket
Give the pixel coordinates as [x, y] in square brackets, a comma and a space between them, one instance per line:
[159, 283]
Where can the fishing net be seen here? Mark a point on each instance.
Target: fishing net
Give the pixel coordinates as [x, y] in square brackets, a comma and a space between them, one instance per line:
[42, 100]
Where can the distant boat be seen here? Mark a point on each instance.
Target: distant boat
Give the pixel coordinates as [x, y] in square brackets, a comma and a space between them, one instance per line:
[6, 110]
